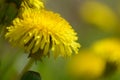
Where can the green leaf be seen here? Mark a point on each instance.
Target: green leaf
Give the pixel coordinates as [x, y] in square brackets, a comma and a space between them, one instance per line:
[31, 75]
[17, 2]
[8, 12]
[11, 13]
[3, 9]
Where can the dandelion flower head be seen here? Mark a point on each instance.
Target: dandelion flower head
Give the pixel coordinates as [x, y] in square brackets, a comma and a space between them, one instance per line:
[33, 4]
[86, 64]
[100, 15]
[108, 49]
[42, 30]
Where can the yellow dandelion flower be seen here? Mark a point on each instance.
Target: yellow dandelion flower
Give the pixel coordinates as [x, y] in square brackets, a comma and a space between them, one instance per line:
[86, 65]
[30, 4]
[33, 3]
[107, 48]
[41, 30]
[100, 15]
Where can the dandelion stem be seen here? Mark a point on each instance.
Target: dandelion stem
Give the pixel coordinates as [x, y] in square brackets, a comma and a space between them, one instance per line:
[27, 67]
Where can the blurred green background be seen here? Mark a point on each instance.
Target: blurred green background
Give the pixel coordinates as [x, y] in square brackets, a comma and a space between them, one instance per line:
[93, 20]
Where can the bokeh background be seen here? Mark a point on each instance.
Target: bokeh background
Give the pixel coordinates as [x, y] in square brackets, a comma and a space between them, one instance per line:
[98, 28]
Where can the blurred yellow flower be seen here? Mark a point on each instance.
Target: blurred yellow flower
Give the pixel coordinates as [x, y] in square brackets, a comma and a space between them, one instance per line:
[100, 15]
[42, 30]
[108, 48]
[33, 3]
[86, 65]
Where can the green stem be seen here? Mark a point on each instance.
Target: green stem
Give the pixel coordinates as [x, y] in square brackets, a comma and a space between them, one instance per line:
[26, 68]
